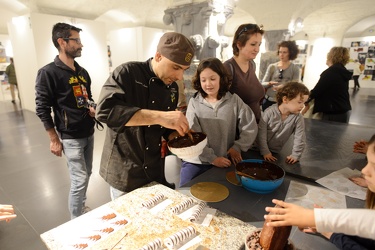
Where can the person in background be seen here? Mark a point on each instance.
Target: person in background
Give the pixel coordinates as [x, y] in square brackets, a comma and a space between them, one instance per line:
[138, 103]
[7, 212]
[354, 228]
[246, 43]
[356, 73]
[280, 72]
[65, 86]
[330, 94]
[12, 79]
[219, 114]
[283, 119]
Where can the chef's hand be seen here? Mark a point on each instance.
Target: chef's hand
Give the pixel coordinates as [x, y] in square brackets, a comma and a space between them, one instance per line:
[269, 157]
[290, 159]
[221, 162]
[175, 120]
[234, 155]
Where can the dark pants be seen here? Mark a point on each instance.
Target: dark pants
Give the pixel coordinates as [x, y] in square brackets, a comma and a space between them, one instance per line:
[191, 170]
[346, 242]
[344, 117]
[356, 83]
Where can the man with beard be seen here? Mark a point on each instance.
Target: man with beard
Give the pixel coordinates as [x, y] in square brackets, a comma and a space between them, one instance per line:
[65, 86]
[138, 103]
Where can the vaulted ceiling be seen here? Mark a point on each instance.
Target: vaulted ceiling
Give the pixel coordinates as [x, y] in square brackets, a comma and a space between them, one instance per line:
[320, 17]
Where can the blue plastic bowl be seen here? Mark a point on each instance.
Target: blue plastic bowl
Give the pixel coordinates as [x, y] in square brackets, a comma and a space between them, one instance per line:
[266, 176]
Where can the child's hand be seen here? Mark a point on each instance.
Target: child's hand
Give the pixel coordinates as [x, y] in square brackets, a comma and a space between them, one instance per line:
[358, 180]
[269, 157]
[221, 162]
[234, 156]
[360, 147]
[290, 159]
[7, 212]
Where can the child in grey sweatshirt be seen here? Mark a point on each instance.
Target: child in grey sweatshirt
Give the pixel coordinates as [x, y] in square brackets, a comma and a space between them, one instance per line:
[283, 119]
[219, 114]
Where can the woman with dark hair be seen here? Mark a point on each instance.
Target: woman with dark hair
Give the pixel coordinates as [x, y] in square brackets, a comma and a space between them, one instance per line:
[227, 121]
[331, 93]
[246, 43]
[280, 72]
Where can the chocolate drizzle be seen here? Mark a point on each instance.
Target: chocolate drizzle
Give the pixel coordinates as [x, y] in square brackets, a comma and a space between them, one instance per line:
[263, 171]
[184, 141]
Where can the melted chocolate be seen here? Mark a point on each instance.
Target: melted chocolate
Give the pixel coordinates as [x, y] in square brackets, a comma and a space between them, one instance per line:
[185, 141]
[264, 171]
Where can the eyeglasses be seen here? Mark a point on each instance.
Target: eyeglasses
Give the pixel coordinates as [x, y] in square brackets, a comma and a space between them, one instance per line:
[281, 74]
[78, 40]
[250, 27]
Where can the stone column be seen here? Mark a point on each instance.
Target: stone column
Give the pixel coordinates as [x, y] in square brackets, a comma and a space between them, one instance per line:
[203, 22]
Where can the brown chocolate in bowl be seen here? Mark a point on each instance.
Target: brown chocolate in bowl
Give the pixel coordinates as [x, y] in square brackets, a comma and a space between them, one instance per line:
[185, 141]
[264, 171]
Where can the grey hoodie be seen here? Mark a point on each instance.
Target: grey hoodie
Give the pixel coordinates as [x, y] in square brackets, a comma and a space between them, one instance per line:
[220, 124]
[274, 133]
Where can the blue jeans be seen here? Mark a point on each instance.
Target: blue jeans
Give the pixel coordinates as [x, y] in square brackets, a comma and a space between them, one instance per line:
[191, 170]
[79, 156]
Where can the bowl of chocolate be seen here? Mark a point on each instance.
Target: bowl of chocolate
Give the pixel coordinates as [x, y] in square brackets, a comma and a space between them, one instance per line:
[259, 176]
[188, 146]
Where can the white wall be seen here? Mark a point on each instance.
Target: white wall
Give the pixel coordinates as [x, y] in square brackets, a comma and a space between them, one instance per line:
[133, 44]
[33, 48]
[316, 60]
[25, 59]
[7, 45]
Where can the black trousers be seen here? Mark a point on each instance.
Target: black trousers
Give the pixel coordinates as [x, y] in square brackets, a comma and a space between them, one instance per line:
[356, 83]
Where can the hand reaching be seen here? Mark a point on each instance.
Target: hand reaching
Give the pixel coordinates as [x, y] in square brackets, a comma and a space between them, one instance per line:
[289, 214]
[290, 159]
[358, 180]
[221, 162]
[235, 156]
[360, 147]
[269, 157]
[175, 120]
[7, 213]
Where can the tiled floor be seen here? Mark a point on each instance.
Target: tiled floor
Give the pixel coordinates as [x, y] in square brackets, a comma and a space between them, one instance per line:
[37, 182]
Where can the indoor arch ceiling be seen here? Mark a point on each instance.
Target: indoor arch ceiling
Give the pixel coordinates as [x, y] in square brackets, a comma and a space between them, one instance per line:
[321, 17]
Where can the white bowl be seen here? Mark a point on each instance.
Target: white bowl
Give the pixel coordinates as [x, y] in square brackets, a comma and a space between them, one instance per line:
[190, 151]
